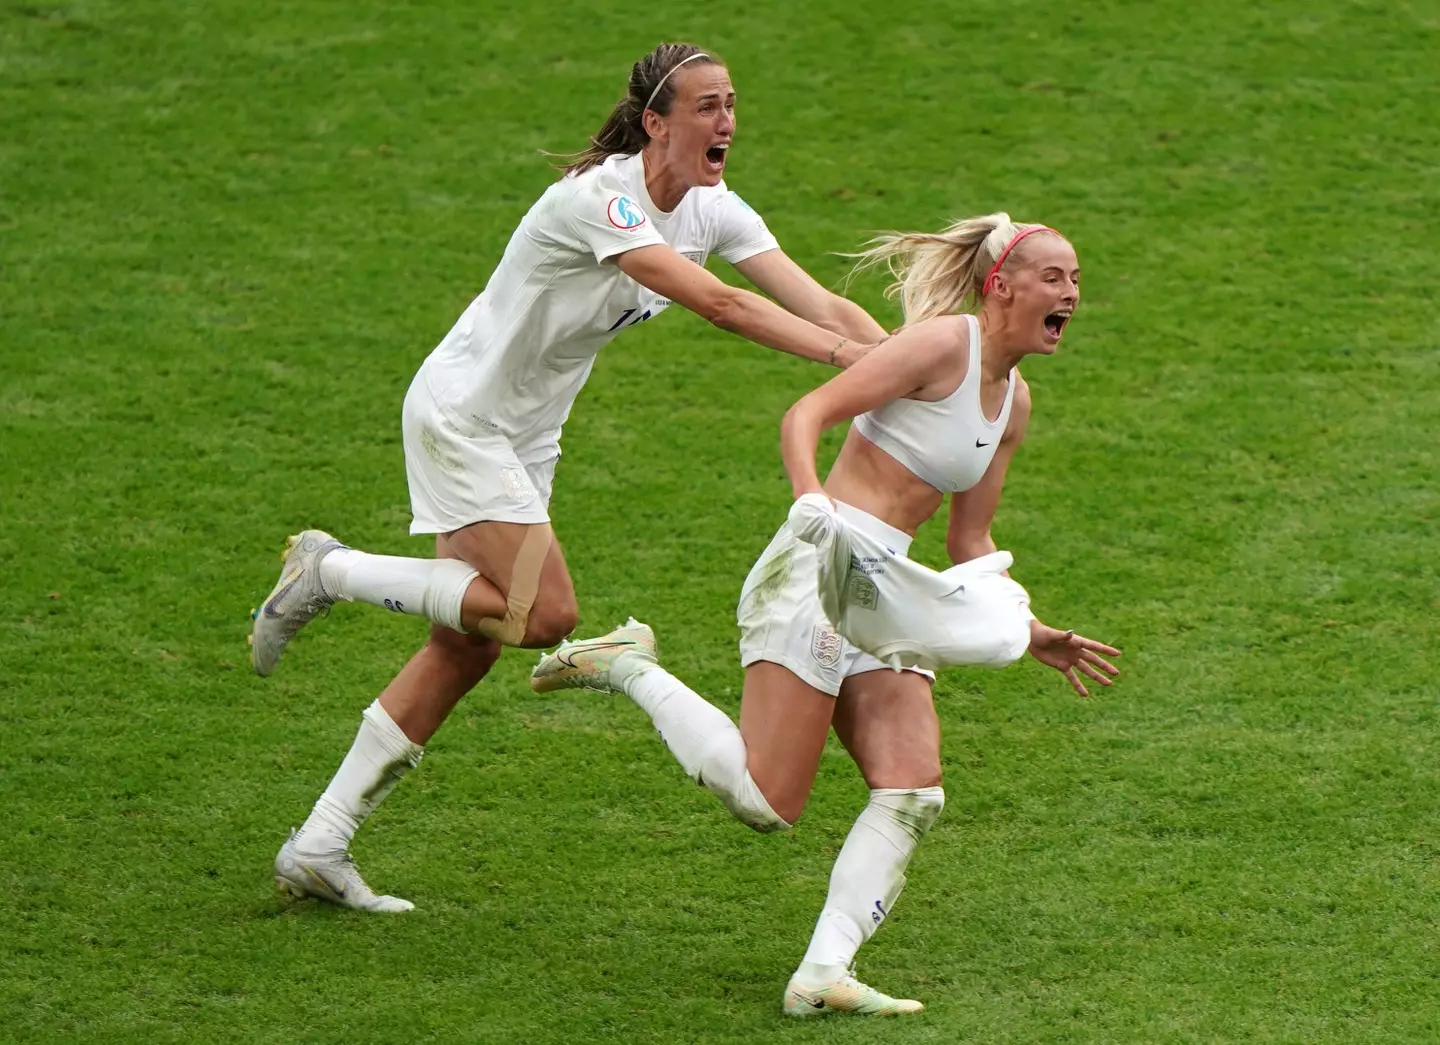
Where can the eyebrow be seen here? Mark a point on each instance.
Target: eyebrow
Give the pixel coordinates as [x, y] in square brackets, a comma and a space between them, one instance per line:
[713, 94]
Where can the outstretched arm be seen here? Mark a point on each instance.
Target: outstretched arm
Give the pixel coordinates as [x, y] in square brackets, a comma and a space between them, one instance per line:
[739, 311]
[776, 274]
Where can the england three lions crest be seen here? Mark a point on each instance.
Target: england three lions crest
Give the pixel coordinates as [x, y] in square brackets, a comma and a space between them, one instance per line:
[825, 646]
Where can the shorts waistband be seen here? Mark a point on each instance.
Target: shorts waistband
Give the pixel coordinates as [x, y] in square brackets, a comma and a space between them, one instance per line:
[898, 541]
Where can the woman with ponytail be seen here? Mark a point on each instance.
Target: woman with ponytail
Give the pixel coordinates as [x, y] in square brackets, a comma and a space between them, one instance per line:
[623, 234]
[938, 409]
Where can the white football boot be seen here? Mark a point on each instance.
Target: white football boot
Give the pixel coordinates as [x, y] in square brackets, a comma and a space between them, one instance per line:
[847, 994]
[331, 877]
[295, 600]
[586, 664]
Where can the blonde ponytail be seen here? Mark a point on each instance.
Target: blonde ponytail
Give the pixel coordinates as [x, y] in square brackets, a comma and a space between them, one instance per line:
[940, 273]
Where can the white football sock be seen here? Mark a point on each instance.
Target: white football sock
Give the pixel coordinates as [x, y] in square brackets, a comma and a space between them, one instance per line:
[702, 738]
[379, 758]
[429, 588]
[867, 878]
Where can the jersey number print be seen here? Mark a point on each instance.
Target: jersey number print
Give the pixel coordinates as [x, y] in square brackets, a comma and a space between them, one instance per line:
[642, 317]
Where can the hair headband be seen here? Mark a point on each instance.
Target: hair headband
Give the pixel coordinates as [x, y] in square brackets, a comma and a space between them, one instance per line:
[697, 54]
[995, 269]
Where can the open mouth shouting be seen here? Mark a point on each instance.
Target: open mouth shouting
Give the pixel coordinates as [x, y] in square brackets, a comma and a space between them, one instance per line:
[715, 156]
[1055, 324]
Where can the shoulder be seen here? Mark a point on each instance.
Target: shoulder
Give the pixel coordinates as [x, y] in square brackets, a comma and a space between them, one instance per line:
[952, 328]
[570, 184]
[605, 178]
[944, 335]
[932, 353]
[598, 195]
[562, 194]
[940, 337]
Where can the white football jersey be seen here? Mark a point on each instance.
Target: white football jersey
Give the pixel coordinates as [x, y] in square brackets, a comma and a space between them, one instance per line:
[516, 359]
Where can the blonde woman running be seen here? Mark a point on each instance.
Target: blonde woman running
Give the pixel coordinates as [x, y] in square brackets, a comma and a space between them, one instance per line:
[609, 246]
[937, 409]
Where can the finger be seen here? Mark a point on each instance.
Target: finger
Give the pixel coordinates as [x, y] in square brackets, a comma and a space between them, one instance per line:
[1088, 670]
[1095, 658]
[1075, 681]
[1100, 646]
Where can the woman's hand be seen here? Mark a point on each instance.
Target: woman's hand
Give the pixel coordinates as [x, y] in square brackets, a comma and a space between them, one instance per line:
[812, 517]
[1072, 654]
[851, 352]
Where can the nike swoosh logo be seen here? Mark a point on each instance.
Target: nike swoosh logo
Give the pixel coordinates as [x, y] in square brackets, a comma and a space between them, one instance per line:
[285, 586]
[978, 443]
[564, 657]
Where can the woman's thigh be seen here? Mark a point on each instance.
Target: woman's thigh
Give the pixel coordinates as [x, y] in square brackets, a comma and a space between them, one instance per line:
[784, 721]
[887, 722]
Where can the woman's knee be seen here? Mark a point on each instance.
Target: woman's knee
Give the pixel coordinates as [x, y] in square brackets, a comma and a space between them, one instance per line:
[551, 621]
[786, 788]
[722, 768]
[788, 805]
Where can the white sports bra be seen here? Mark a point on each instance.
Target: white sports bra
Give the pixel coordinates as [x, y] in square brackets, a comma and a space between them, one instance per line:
[947, 443]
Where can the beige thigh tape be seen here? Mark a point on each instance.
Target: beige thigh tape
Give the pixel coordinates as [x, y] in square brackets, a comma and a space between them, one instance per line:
[524, 585]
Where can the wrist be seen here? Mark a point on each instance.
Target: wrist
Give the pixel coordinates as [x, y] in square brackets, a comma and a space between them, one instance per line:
[834, 352]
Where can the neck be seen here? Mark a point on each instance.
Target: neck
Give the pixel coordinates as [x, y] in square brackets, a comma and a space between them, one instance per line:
[665, 189]
[999, 355]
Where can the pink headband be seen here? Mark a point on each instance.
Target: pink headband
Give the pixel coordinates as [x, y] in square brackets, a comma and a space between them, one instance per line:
[994, 269]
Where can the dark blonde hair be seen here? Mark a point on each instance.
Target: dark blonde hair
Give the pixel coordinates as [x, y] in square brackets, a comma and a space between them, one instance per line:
[624, 132]
[940, 273]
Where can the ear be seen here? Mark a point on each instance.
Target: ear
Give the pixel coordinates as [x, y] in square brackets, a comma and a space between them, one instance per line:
[654, 124]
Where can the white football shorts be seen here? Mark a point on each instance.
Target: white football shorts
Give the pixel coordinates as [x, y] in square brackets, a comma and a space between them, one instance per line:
[781, 619]
[460, 474]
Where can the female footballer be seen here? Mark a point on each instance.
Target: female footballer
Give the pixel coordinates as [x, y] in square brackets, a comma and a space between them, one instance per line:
[623, 234]
[938, 409]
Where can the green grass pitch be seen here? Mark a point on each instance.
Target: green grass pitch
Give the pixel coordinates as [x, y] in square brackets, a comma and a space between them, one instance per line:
[229, 232]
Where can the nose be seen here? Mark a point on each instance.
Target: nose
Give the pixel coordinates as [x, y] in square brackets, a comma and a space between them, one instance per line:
[726, 124]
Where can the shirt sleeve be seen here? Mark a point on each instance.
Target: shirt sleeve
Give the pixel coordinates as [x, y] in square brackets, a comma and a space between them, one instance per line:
[741, 233]
[608, 222]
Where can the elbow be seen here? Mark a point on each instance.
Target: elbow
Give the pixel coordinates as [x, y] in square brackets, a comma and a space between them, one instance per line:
[725, 308]
[788, 422]
[799, 418]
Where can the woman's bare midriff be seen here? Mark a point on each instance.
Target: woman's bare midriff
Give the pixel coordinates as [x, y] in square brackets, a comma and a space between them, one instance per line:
[866, 477]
